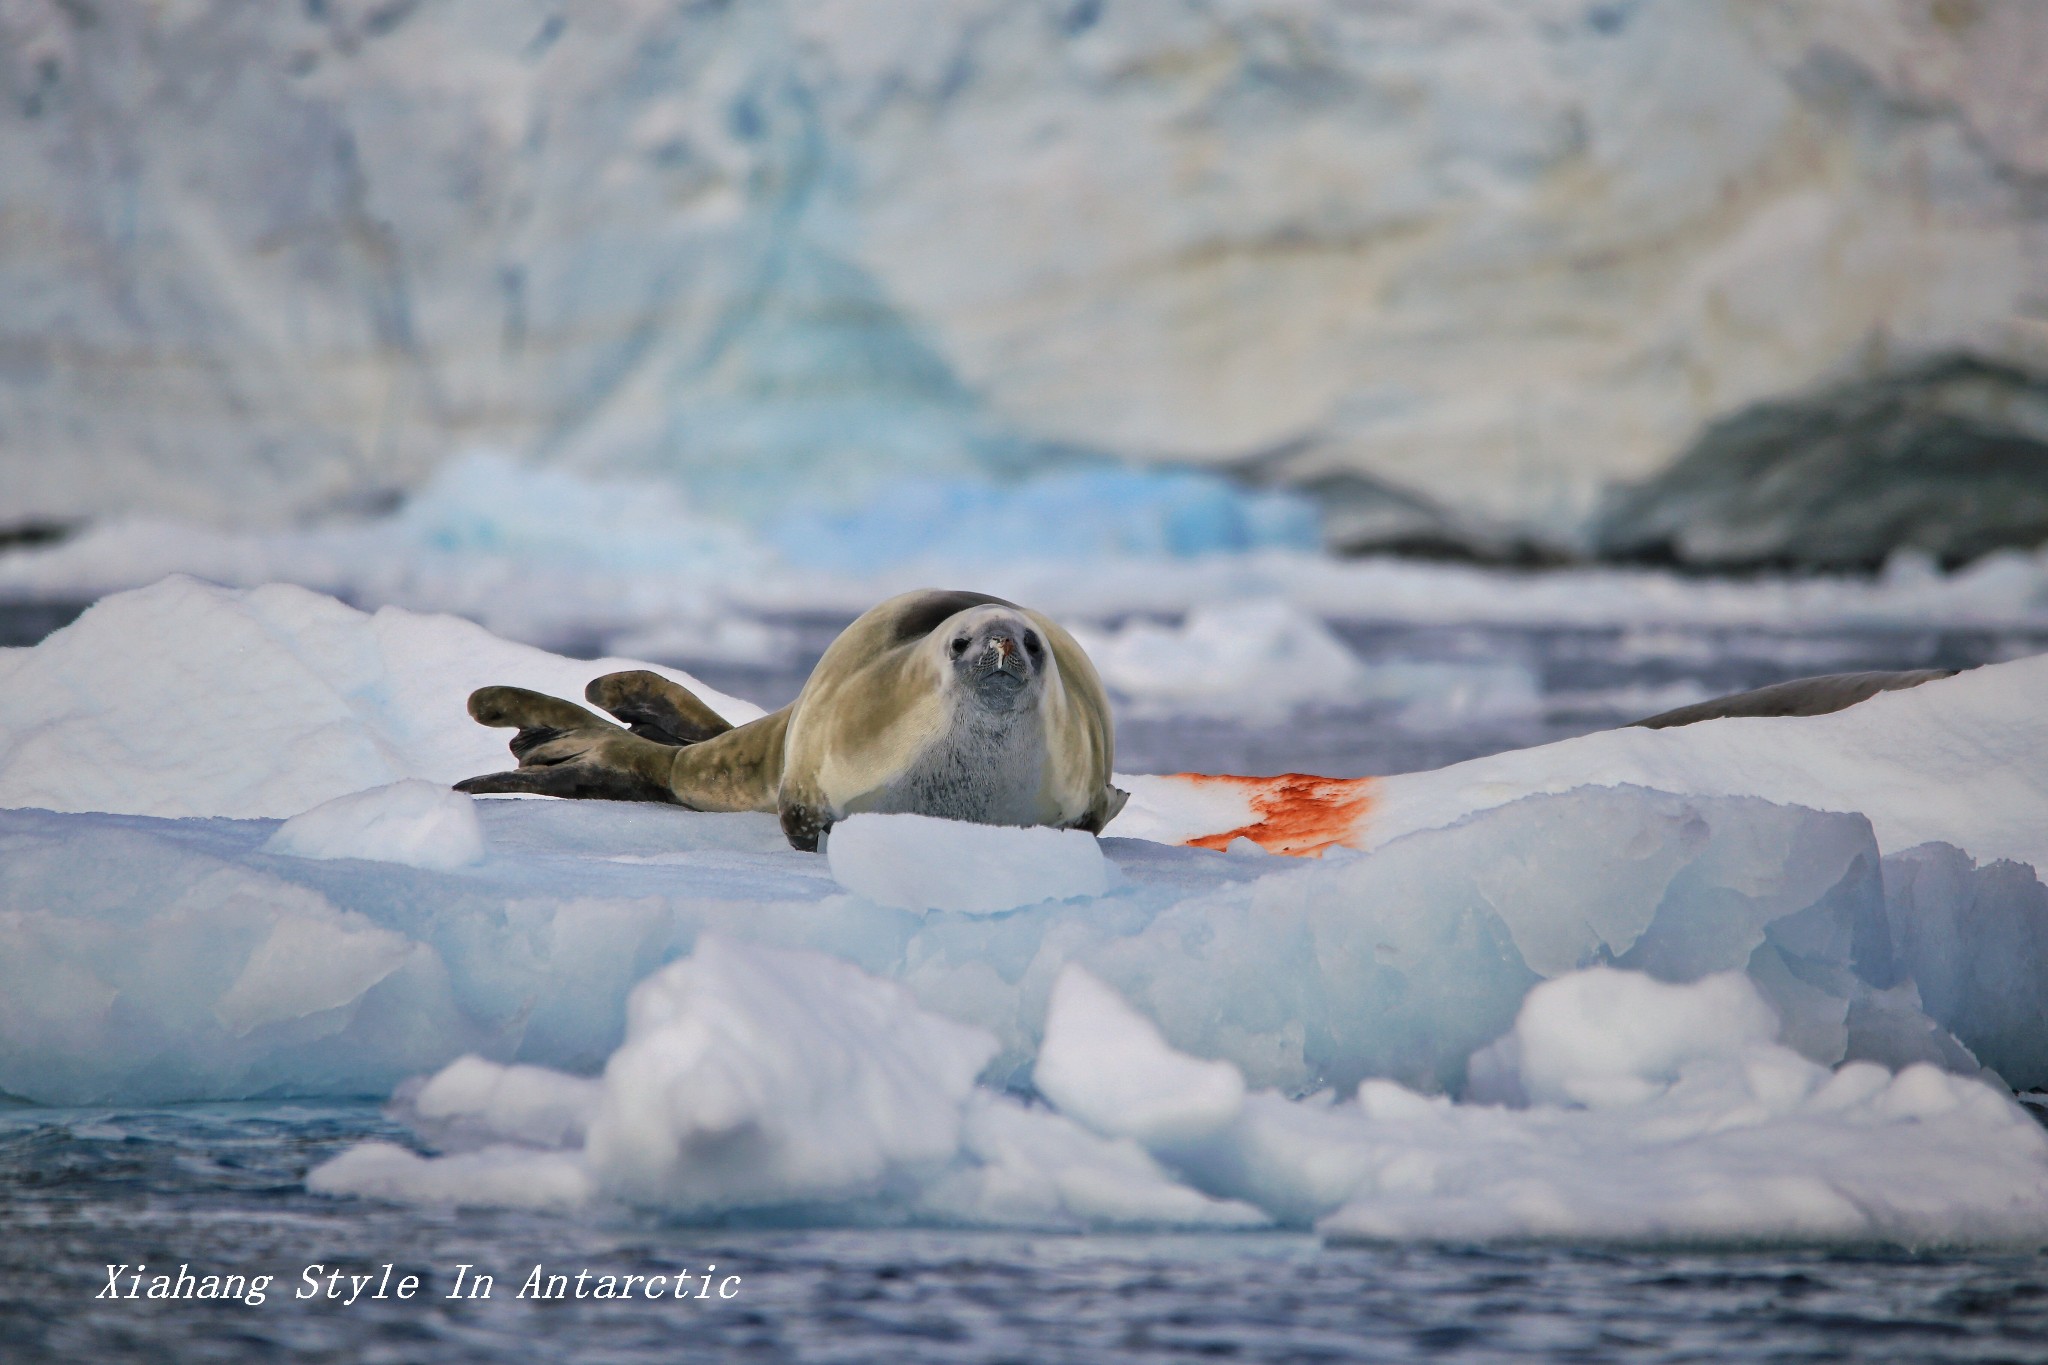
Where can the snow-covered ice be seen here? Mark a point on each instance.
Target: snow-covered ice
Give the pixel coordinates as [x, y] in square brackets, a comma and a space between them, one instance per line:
[1962, 761]
[184, 698]
[917, 862]
[1726, 958]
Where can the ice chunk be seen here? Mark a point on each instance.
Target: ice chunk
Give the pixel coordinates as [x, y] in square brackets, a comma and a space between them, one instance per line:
[180, 964]
[917, 862]
[1254, 660]
[493, 1177]
[1437, 695]
[755, 1078]
[1035, 1168]
[1603, 1037]
[475, 1103]
[1974, 941]
[752, 1077]
[421, 824]
[1741, 1139]
[1106, 1065]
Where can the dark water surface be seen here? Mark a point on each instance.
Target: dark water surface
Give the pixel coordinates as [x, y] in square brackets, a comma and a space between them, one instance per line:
[1587, 677]
[218, 1188]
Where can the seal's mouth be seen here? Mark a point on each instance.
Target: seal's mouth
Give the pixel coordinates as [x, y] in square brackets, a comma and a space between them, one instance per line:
[1000, 672]
[1004, 668]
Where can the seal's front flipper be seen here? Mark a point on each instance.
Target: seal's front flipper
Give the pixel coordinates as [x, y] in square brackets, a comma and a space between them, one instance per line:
[655, 708]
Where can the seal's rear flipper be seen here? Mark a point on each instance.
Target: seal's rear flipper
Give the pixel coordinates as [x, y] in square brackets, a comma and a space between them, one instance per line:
[578, 780]
[655, 708]
[541, 719]
[564, 750]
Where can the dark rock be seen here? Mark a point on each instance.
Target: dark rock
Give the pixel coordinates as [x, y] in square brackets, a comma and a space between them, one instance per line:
[1948, 458]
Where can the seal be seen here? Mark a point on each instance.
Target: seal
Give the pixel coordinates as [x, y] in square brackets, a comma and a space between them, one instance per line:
[1818, 696]
[946, 703]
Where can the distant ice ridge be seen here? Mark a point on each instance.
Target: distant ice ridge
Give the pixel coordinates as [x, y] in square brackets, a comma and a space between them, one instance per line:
[546, 555]
[757, 1079]
[637, 567]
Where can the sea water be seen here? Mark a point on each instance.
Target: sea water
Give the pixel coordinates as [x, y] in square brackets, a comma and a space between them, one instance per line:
[220, 1189]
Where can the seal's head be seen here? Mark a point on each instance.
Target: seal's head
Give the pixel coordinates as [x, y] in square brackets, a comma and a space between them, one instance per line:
[998, 657]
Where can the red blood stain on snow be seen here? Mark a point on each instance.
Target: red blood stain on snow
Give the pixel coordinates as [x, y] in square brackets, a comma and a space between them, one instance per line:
[1298, 814]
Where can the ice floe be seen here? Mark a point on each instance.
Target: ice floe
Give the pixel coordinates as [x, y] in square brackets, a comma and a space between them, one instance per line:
[1723, 968]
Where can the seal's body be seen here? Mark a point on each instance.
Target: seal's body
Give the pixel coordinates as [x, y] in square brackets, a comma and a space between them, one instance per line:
[952, 704]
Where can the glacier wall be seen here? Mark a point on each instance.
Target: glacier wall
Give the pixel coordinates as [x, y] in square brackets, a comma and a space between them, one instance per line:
[267, 261]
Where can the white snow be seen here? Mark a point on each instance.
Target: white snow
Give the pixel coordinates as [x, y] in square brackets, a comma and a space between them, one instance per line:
[1963, 761]
[421, 824]
[918, 862]
[188, 699]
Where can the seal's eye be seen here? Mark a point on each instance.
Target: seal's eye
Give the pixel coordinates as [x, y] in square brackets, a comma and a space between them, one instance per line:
[959, 646]
[1031, 644]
